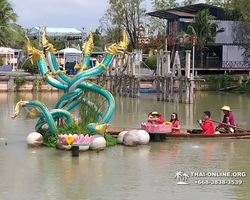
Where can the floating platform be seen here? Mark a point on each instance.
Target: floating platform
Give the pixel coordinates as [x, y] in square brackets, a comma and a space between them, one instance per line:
[183, 135]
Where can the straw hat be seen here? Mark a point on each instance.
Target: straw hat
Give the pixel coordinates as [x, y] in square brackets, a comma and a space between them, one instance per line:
[155, 113]
[227, 108]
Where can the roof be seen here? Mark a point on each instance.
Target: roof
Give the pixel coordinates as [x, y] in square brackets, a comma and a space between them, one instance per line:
[181, 14]
[185, 10]
[51, 31]
[70, 51]
[6, 50]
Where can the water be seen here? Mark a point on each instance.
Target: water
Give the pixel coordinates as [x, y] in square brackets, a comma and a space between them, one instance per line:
[142, 172]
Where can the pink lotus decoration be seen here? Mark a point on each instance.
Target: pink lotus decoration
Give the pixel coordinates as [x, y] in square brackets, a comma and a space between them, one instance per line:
[156, 127]
[76, 139]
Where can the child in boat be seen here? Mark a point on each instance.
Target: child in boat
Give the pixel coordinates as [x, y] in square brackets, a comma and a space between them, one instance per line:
[155, 118]
[175, 123]
[228, 119]
[208, 125]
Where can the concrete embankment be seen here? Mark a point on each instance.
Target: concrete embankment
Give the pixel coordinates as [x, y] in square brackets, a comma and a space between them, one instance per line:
[21, 81]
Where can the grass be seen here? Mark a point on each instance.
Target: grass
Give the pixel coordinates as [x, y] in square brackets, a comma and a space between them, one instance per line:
[88, 114]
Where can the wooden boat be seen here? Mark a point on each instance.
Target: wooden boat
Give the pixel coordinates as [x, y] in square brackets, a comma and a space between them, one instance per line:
[183, 135]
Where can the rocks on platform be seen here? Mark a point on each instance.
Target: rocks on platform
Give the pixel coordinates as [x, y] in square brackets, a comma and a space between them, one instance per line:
[34, 139]
[133, 137]
[143, 136]
[99, 143]
[120, 137]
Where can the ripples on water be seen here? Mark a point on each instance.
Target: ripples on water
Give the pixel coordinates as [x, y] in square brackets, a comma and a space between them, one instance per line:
[142, 172]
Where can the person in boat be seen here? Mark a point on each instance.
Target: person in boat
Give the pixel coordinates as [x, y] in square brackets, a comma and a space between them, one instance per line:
[228, 119]
[155, 118]
[207, 125]
[175, 123]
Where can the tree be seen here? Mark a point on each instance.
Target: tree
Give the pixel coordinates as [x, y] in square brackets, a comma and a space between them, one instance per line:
[205, 30]
[188, 2]
[122, 14]
[239, 11]
[220, 3]
[1, 61]
[160, 25]
[9, 30]
[98, 41]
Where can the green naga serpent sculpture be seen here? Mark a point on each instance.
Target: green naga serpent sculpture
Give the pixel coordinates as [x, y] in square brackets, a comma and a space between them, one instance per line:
[73, 86]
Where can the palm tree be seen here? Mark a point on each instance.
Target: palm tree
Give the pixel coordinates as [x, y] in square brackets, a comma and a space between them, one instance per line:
[179, 175]
[185, 177]
[205, 29]
[9, 30]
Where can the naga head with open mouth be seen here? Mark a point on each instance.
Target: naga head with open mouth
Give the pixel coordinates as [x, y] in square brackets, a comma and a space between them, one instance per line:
[119, 47]
[45, 43]
[33, 52]
[87, 47]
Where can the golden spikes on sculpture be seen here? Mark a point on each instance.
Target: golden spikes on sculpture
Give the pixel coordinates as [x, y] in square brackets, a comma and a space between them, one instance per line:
[87, 47]
[119, 47]
[33, 113]
[77, 66]
[124, 43]
[33, 52]
[45, 43]
[17, 109]
[102, 128]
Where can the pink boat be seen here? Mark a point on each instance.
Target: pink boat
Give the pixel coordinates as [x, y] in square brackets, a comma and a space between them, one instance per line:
[156, 127]
[76, 139]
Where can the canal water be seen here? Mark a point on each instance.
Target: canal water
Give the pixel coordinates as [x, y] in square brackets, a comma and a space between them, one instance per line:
[119, 172]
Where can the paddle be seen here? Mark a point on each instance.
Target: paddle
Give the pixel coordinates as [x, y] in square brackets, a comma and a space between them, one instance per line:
[230, 125]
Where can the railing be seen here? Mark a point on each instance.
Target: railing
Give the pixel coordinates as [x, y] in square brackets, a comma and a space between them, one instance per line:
[219, 64]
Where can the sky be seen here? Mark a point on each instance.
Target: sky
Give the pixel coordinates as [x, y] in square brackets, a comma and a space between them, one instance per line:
[62, 13]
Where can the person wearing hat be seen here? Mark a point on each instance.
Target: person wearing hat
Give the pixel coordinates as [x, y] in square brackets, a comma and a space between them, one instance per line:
[155, 118]
[228, 118]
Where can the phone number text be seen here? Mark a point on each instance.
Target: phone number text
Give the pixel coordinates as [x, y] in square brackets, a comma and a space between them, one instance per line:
[218, 182]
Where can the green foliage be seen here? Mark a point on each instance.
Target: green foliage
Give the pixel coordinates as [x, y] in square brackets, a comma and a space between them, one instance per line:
[110, 141]
[87, 113]
[218, 81]
[244, 86]
[151, 62]
[204, 29]
[48, 139]
[123, 14]
[1, 61]
[39, 82]
[98, 41]
[9, 30]
[28, 67]
[19, 81]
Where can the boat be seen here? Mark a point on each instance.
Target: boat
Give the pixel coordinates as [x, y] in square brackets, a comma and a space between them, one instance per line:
[114, 131]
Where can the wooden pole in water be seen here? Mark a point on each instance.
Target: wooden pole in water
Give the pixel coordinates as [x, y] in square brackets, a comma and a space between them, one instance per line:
[187, 76]
[75, 151]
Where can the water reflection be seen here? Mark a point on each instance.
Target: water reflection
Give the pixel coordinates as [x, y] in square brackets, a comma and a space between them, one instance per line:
[120, 172]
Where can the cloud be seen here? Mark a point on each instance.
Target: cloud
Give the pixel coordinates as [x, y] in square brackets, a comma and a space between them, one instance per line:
[59, 13]
[62, 13]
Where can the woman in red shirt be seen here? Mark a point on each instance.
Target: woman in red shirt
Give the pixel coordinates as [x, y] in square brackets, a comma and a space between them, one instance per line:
[208, 125]
[175, 123]
[155, 118]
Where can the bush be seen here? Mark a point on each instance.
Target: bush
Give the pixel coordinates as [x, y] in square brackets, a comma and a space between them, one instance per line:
[1, 61]
[151, 62]
[28, 67]
[88, 114]
[19, 81]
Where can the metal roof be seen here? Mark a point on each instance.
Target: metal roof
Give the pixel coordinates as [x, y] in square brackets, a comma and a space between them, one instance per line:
[51, 31]
[191, 9]
[181, 14]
